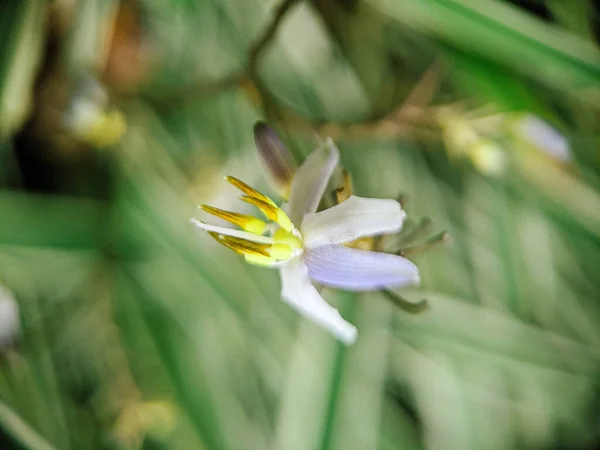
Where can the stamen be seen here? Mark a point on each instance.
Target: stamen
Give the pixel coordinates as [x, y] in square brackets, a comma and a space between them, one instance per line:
[239, 245]
[248, 223]
[249, 191]
[219, 238]
[260, 254]
[273, 212]
[245, 245]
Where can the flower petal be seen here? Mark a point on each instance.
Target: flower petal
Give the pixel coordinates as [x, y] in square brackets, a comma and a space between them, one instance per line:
[235, 233]
[300, 294]
[354, 218]
[544, 136]
[358, 270]
[310, 181]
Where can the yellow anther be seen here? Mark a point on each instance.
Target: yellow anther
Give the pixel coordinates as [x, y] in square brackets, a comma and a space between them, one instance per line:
[273, 212]
[241, 246]
[248, 223]
[249, 191]
[248, 246]
[219, 238]
[260, 260]
[281, 252]
[267, 209]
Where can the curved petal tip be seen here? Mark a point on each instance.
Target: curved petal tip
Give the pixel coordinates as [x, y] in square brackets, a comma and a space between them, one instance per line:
[298, 292]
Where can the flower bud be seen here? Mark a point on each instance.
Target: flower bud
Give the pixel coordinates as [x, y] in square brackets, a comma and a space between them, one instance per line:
[276, 159]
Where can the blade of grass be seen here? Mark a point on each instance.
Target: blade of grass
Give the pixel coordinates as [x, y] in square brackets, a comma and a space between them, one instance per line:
[21, 431]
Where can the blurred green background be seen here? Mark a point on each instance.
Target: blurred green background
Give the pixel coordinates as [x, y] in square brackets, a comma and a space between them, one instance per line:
[135, 331]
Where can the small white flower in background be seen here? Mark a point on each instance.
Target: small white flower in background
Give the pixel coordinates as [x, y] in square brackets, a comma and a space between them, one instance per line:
[462, 139]
[307, 245]
[9, 318]
[539, 134]
[91, 118]
[489, 158]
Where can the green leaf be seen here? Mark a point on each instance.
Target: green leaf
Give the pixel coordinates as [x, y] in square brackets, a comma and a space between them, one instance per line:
[22, 33]
[501, 33]
[21, 431]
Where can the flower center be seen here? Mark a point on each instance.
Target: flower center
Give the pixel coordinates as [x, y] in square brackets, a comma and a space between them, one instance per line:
[285, 243]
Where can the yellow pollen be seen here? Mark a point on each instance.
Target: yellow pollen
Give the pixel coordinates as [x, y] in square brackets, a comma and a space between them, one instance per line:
[248, 223]
[249, 191]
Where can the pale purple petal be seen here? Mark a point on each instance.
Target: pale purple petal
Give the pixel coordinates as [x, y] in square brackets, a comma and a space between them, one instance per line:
[351, 219]
[310, 181]
[359, 270]
[545, 137]
[300, 294]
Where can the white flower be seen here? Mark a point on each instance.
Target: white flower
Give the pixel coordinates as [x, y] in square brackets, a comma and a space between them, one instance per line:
[309, 246]
[538, 133]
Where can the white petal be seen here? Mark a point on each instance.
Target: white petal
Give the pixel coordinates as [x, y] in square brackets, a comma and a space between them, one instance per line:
[235, 233]
[310, 181]
[300, 294]
[354, 218]
[359, 270]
